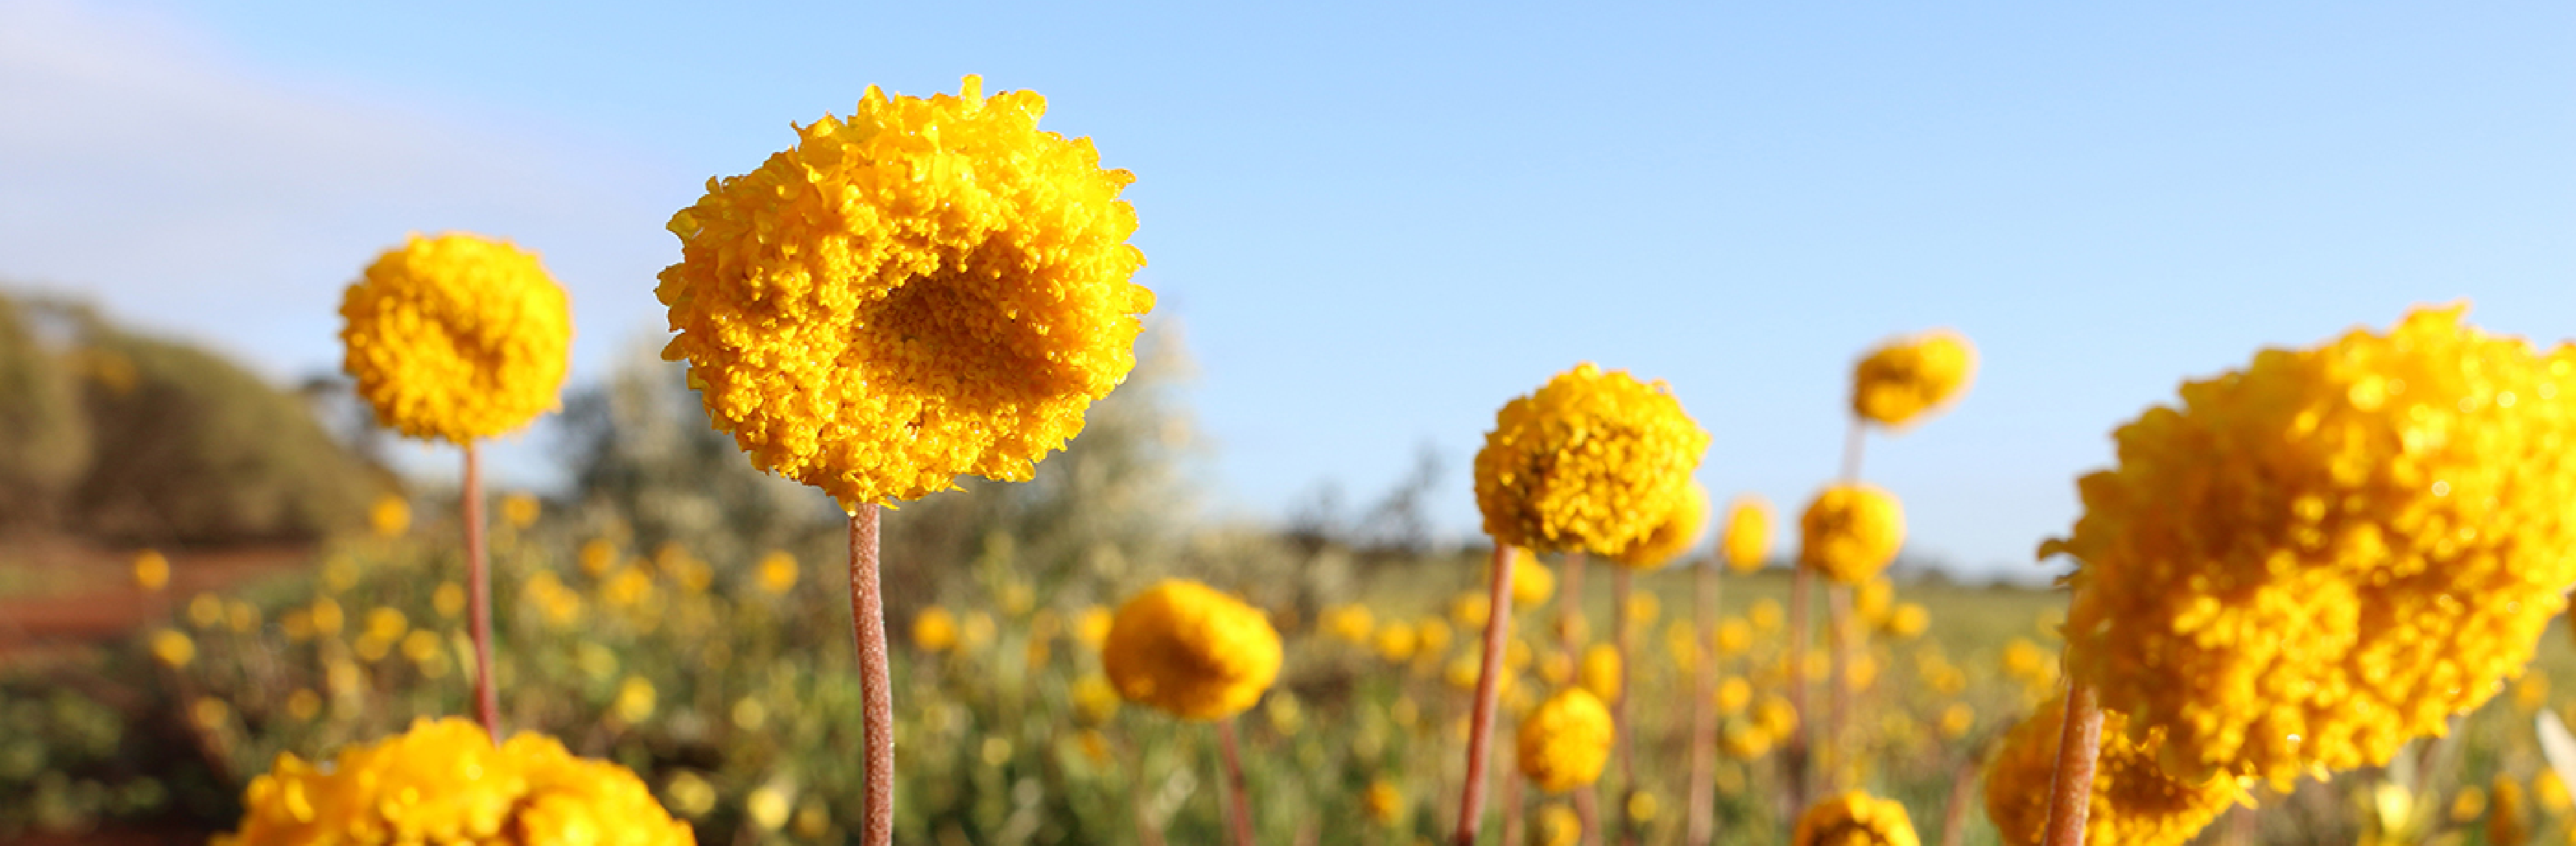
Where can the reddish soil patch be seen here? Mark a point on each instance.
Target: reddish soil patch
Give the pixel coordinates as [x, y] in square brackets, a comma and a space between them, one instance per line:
[105, 604]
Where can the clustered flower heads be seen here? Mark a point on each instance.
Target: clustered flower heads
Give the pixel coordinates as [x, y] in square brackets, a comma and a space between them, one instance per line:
[1592, 462]
[2328, 553]
[1747, 539]
[1895, 384]
[2135, 803]
[1855, 819]
[1676, 535]
[1850, 532]
[930, 288]
[1188, 649]
[444, 782]
[1565, 742]
[456, 337]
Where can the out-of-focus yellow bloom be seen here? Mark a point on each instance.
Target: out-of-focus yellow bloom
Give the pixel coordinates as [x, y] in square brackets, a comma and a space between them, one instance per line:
[1470, 610]
[456, 337]
[1764, 615]
[1776, 716]
[209, 713]
[521, 510]
[1350, 623]
[1643, 608]
[2505, 823]
[1746, 542]
[1872, 598]
[240, 616]
[302, 704]
[1957, 720]
[390, 516]
[1591, 462]
[1855, 819]
[1643, 806]
[1850, 532]
[1462, 671]
[1679, 531]
[1017, 598]
[2549, 793]
[1384, 801]
[2027, 662]
[1396, 641]
[1095, 700]
[327, 616]
[597, 556]
[1732, 695]
[1896, 383]
[1284, 713]
[205, 611]
[1091, 627]
[1431, 635]
[1734, 636]
[691, 796]
[777, 572]
[445, 781]
[173, 648]
[975, 630]
[1517, 655]
[1600, 671]
[1559, 826]
[1681, 640]
[448, 599]
[768, 807]
[296, 624]
[1190, 650]
[2468, 804]
[813, 820]
[635, 700]
[1907, 620]
[1532, 582]
[2330, 552]
[2134, 801]
[386, 623]
[422, 647]
[2531, 692]
[1566, 741]
[151, 570]
[934, 629]
[939, 289]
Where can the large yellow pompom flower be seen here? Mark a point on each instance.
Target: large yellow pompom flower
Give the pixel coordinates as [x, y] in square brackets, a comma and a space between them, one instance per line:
[1851, 532]
[444, 782]
[1592, 462]
[2326, 554]
[1895, 384]
[456, 337]
[1565, 742]
[1855, 819]
[2134, 802]
[1188, 649]
[1676, 535]
[930, 288]
[1747, 541]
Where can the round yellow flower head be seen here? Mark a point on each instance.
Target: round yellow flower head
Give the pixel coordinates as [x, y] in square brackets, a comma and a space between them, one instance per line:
[1855, 819]
[1566, 741]
[2322, 556]
[1532, 582]
[2134, 802]
[1676, 535]
[1896, 383]
[1747, 542]
[927, 289]
[1592, 462]
[1185, 648]
[934, 629]
[444, 782]
[1850, 532]
[455, 338]
[1600, 671]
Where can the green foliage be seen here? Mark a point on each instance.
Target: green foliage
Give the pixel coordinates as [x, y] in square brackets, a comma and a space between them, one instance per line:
[44, 438]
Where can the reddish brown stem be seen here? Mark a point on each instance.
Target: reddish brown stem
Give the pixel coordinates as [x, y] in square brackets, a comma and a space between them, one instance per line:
[1619, 733]
[2070, 791]
[1512, 812]
[478, 599]
[1700, 823]
[1489, 674]
[1794, 756]
[1963, 790]
[876, 687]
[1238, 801]
[1829, 747]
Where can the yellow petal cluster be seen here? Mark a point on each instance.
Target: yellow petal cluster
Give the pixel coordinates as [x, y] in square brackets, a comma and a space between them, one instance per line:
[1855, 819]
[2330, 552]
[1676, 535]
[1850, 532]
[456, 337]
[1565, 742]
[1532, 582]
[1747, 540]
[1188, 649]
[2134, 802]
[927, 289]
[1592, 462]
[1895, 384]
[444, 782]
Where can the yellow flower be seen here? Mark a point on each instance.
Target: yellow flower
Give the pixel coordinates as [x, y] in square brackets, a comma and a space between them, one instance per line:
[1384, 801]
[1432, 635]
[1564, 744]
[151, 570]
[1350, 624]
[2331, 552]
[1733, 694]
[1777, 717]
[303, 704]
[1957, 720]
[1558, 825]
[327, 616]
[1896, 383]
[173, 648]
[1907, 620]
[448, 599]
[205, 610]
[390, 516]
[1532, 582]
[928, 289]
[1855, 819]
[1599, 672]
[1764, 615]
[1092, 627]
[597, 556]
[934, 629]
[1734, 636]
[690, 794]
[1187, 649]
[768, 807]
[2134, 801]
[1747, 541]
[1592, 462]
[1679, 531]
[445, 781]
[1095, 700]
[456, 337]
[975, 630]
[1470, 610]
[520, 510]
[2505, 823]
[635, 700]
[1850, 532]
[1396, 641]
[777, 572]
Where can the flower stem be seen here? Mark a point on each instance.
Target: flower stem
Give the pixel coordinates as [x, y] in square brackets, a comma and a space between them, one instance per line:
[1480, 728]
[1701, 824]
[1793, 756]
[1569, 615]
[478, 599]
[1238, 800]
[1619, 587]
[867, 621]
[1829, 751]
[2070, 791]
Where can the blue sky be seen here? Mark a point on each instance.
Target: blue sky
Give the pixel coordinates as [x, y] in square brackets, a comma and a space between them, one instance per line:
[1375, 225]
